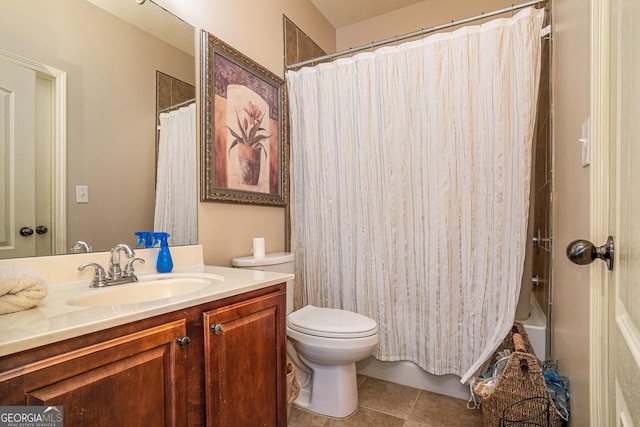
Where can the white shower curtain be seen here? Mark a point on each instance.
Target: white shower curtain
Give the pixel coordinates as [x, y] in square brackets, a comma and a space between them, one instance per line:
[176, 192]
[410, 175]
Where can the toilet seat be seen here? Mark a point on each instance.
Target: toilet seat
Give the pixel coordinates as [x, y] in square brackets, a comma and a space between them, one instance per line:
[331, 323]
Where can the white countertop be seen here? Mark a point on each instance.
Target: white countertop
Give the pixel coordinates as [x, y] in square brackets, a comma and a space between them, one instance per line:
[54, 319]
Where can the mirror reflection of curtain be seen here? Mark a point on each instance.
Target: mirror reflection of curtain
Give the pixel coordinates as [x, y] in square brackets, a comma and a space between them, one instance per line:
[410, 177]
[176, 192]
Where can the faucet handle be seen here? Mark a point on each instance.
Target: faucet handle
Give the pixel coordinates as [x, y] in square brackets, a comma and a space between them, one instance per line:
[99, 278]
[128, 269]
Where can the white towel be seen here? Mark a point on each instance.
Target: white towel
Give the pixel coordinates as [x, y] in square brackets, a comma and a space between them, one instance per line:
[20, 289]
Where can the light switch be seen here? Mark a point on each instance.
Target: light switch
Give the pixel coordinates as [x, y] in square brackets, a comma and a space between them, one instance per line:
[585, 141]
[82, 194]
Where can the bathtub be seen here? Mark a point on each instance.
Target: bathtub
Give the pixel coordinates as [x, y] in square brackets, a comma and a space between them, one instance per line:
[409, 374]
[536, 327]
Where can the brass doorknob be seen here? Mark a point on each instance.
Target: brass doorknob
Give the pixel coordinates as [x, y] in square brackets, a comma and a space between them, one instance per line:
[583, 252]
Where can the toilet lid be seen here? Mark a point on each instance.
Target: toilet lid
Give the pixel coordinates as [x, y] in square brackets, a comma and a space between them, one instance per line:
[331, 323]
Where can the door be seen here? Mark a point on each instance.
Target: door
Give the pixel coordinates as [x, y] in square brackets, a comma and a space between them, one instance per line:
[17, 167]
[624, 140]
[618, 79]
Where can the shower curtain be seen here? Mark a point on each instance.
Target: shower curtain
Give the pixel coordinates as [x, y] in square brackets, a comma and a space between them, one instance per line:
[176, 192]
[410, 175]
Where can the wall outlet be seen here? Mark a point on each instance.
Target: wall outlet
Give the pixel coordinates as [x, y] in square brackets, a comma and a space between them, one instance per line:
[82, 194]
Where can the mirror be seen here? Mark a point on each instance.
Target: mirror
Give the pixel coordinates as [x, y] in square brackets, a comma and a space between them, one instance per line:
[120, 70]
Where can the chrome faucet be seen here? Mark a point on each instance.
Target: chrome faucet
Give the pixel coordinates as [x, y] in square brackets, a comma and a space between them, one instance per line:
[115, 271]
[115, 276]
[81, 246]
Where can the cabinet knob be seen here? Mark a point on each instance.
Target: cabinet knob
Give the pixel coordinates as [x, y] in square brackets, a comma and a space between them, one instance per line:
[216, 329]
[183, 341]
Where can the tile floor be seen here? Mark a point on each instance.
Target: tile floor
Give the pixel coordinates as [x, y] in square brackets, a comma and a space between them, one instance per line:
[385, 404]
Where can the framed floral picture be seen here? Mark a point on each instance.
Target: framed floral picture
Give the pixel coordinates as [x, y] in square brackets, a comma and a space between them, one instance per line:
[244, 148]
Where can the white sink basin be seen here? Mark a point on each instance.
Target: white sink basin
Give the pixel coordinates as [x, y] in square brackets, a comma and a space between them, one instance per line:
[148, 288]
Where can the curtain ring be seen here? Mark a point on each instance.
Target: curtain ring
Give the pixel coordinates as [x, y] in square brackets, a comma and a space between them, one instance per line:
[481, 18]
[512, 8]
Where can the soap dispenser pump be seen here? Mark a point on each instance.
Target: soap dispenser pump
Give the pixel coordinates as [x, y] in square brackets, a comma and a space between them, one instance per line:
[164, 263]
[145, 238]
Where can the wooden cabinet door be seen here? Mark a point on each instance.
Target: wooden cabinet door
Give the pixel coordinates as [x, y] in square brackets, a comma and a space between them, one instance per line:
[245, 357]
[134, 380]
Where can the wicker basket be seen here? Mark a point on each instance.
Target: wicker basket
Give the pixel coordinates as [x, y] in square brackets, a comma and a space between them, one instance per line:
[293, 387]
[520, 392]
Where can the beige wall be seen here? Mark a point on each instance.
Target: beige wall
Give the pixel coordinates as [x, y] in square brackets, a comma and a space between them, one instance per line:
[412, 18]
[571, 202]
[111, 100]
[255, 29]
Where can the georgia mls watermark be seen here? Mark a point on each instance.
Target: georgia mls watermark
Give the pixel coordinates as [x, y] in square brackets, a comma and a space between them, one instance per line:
[31, 416]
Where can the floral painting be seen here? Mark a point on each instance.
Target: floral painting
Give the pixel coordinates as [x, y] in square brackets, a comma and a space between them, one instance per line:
[244, 150]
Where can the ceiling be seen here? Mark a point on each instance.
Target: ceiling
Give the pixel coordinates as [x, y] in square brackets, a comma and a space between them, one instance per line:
[341, 13]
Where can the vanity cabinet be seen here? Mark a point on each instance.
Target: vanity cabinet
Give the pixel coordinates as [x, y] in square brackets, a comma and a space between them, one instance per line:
[146, 373]
[135, 379]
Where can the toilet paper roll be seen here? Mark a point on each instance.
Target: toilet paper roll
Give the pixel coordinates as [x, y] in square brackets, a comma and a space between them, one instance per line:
[258, 247]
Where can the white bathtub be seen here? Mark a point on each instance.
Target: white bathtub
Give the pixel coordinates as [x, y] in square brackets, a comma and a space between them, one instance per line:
[536, 327]
[409, 374]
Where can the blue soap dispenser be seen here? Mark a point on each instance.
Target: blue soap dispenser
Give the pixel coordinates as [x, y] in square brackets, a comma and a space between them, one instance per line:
[164, 263]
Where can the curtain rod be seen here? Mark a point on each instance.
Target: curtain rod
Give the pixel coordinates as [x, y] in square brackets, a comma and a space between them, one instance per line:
[417, 33]
[180, 104]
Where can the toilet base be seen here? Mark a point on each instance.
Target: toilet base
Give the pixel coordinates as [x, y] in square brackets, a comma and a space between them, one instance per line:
[333, 390]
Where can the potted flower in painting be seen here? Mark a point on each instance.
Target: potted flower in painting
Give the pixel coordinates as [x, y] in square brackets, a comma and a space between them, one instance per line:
[249, 142]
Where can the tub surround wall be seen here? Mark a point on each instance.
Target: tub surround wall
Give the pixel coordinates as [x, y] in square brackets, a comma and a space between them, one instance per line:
[169, 92]
[541, 200]
[298, 46]
[538, 263]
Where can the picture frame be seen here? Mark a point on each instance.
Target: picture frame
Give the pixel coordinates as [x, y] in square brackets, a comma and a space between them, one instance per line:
[244, 133]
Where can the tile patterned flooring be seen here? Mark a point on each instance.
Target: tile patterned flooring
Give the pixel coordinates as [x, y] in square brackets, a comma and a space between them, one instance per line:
[385, 404]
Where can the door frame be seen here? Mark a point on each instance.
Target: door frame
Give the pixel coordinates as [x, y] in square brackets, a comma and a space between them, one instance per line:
[58, 79]
[599, 393]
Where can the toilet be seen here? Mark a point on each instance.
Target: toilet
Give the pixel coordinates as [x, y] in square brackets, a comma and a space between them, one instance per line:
[323, 344]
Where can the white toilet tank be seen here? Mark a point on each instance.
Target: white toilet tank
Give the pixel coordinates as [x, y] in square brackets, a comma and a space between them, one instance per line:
[279, 262]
